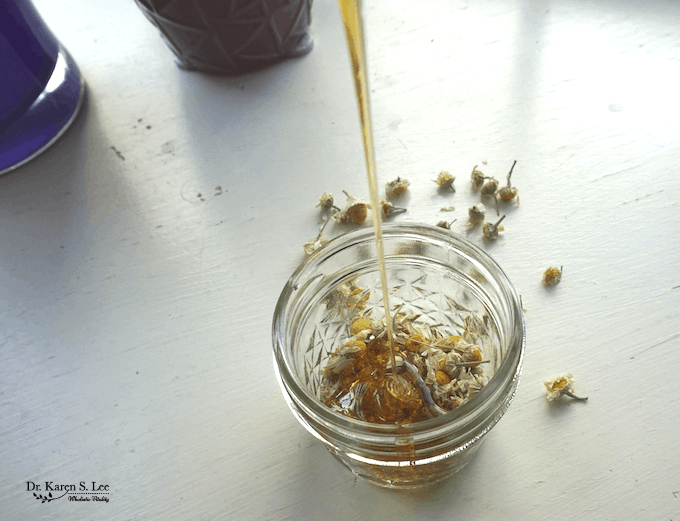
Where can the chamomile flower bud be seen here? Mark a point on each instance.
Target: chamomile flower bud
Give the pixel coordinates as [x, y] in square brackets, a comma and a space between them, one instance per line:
[508, 192]
[490, 187]
[325, 202]
[442, 378]
[360, 324]
[552, 276]
[446, 225]
[388, 209]
[475, 215]
[396, 188]
[559, 385]
[356, 211]
[472, 354]
[477, 178]
[451, 364]
[490, 230]
[445, 181]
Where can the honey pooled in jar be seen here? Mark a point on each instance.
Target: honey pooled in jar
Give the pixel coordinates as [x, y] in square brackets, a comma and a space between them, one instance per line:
[436, 371]
[368, 390]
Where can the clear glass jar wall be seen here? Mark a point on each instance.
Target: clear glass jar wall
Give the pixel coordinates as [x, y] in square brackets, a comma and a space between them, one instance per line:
[433, 273]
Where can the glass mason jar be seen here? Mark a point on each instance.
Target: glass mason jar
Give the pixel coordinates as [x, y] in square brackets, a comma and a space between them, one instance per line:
[432, 273]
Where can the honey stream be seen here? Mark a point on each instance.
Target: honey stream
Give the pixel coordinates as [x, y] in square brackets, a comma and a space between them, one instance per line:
[378, 393]
[351, 17]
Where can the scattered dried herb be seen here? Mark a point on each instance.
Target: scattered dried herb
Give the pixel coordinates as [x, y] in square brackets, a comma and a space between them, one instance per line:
[436, 371]
[445, 224]
[508, 192]
[552, 276]
[477, 178]
[396, 188]
[445, 181]
[561, 385]
[388, 209]
[490, 230]
[476, 215]
[326, 202]
[356, 210]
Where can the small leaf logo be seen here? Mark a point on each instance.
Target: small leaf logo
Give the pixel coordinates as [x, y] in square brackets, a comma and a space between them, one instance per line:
[47, 498]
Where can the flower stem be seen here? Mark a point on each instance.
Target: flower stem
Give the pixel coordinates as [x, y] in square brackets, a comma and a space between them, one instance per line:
[572, 395]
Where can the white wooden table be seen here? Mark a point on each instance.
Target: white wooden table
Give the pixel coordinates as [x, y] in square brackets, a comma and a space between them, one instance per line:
[141, 259]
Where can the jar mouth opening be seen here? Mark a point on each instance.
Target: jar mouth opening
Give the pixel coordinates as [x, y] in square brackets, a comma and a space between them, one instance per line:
[484, 402]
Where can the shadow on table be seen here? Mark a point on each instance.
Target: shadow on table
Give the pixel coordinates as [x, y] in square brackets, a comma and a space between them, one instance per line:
[57, 206]
[354, 498]
[253, 129]
[225, 113]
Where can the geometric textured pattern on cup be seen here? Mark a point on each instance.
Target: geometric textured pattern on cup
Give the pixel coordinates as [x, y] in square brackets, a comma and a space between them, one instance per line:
[231, 36]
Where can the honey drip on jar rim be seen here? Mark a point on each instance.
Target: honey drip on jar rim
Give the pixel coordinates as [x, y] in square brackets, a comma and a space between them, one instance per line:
[383, 396]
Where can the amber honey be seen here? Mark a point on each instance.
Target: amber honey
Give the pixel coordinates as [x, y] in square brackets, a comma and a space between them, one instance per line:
[369, 391]
[370, 388]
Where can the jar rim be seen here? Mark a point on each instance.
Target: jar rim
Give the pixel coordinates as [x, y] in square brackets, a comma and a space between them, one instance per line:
[484, 404]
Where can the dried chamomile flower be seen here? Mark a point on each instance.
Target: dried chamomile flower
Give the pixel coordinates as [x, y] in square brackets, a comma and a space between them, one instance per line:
[451, 365]
[476, 384]
[396, 188]
[552, 276]
[314, 244]
[329, 388]
[475, 215]
[356, 211]
[388, 209]
[447, 209]
[361, 324]
[325, 202]
[319, 241]
[490, 187]
[472, 354]
[559, 385]
[442, 378]
[445, 180]
[353, 345]
[490, 231]
[477, 178]
[347, 301]
[357, 297]
[337, 363]
[475, 327]
[446, 225]
[508, 192]
[443, 369]
[449, 342]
